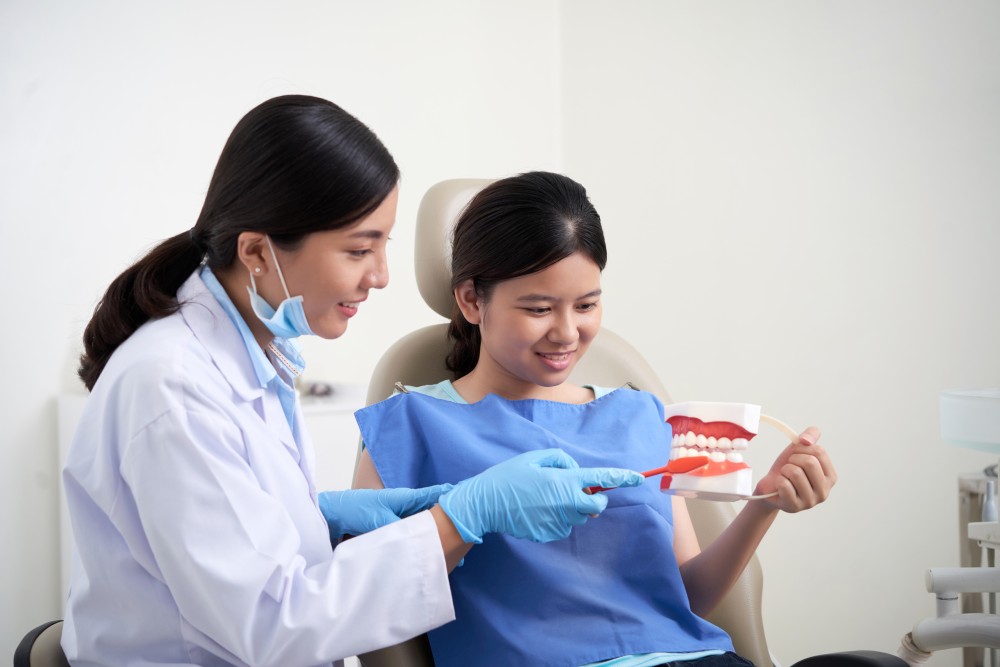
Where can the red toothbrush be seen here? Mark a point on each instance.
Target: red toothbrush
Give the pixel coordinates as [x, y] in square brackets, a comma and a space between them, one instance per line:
[675, 467]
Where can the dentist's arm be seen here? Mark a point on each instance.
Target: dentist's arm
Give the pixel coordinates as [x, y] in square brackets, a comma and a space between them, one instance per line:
[454, 548]
[538, 495]
[803, 476]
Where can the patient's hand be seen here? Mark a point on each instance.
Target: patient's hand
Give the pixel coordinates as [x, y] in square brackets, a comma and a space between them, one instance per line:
[803, 475]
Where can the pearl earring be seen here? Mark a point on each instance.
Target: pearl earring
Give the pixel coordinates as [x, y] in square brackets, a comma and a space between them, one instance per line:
[256, 269]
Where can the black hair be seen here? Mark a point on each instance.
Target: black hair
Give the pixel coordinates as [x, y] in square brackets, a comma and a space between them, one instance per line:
[514, 227]
[292, 166]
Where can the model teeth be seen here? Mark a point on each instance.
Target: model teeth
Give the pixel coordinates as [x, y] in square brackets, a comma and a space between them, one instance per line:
[717, 449]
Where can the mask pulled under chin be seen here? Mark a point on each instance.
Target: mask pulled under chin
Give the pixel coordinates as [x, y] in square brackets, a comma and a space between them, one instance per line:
[289, 320]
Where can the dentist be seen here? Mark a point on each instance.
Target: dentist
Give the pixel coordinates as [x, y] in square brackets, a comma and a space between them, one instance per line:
[201, 538]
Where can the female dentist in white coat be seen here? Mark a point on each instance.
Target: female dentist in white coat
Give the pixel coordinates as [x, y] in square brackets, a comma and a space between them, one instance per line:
[200, 535]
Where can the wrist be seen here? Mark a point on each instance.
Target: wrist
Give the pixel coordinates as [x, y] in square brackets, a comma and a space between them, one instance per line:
[762, 509]
[452, 544]
[451, 509]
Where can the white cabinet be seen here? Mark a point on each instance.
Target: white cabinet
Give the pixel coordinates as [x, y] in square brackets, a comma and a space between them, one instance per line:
[335, 436]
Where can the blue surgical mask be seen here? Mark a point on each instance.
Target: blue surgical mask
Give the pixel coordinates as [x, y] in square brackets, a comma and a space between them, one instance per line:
[289, 320]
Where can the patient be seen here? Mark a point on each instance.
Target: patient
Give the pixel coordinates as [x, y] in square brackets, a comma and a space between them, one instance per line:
[628, 588]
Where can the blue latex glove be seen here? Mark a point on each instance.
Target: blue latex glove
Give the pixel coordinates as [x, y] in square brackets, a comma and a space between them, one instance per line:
[358, 511]
[536, 495]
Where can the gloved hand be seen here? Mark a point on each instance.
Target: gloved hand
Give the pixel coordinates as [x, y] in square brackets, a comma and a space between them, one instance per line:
[536, 495]
[358, 511]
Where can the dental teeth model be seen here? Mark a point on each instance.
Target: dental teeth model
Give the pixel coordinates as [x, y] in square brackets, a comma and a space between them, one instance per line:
[720, 431]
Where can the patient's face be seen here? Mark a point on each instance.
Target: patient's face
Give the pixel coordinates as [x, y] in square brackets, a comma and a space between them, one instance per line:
[535, 328]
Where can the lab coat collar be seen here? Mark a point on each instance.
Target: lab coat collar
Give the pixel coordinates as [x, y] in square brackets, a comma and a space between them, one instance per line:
[227, 339]
[261, 365]
[223, 342]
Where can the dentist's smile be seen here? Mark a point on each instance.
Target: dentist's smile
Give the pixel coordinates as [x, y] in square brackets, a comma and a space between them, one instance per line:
[348, 308]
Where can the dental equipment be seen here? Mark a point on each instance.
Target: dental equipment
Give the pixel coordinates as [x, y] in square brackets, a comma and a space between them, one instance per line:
[970, 419]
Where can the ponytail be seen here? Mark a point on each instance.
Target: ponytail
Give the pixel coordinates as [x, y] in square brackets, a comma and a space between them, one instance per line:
[146, 290]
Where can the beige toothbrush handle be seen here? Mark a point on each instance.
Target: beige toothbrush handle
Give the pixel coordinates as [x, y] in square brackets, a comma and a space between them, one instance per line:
[781, 426]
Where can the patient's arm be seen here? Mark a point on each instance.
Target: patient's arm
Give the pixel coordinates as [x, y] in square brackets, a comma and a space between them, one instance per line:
[455, 549]
[803, 476]
[686, 544]
[366, 477]
[709, 574]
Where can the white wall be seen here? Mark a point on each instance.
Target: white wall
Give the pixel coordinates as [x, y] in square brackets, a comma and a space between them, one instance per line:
[802, 202]
[823, 174]
[113, 114]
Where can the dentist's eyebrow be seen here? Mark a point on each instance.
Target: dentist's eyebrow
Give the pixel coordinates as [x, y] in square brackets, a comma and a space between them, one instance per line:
[373, 234]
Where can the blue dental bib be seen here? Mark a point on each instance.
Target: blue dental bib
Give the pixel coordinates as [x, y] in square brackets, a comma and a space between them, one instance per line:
[612, 588]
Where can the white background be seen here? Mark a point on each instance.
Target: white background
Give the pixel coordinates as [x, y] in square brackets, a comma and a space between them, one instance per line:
[801, 199]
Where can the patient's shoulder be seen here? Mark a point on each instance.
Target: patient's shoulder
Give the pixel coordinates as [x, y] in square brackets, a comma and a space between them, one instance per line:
[443, 390]
[604, 391]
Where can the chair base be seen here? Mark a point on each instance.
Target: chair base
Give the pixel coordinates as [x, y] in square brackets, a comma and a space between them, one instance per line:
[849, 658]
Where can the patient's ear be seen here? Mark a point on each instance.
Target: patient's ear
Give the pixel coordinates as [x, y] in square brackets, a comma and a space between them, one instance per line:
[468, 301]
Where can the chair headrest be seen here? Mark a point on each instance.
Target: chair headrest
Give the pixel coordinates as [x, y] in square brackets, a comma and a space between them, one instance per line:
[438, 212]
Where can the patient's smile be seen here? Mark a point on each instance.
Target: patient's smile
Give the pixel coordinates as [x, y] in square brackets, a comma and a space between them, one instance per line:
[556, 360]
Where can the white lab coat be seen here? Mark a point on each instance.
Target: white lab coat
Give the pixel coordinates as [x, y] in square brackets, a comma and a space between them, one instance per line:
[198, 535]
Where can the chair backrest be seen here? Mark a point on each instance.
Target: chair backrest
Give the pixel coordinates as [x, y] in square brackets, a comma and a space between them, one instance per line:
[419, 358]
[41, 647]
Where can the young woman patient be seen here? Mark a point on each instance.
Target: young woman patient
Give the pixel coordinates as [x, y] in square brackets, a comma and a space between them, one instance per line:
[625, 589]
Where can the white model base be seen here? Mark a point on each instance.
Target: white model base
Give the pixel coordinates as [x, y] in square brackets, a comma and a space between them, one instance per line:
[739, 483]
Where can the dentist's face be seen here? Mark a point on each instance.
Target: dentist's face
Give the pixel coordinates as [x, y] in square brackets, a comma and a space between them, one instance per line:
[535, 328]
[335, 270]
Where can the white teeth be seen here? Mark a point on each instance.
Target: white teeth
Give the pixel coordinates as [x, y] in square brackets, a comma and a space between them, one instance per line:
[687, 444]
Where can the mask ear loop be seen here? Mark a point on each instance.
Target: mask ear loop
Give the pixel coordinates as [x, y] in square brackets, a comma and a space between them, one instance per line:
[277, 266]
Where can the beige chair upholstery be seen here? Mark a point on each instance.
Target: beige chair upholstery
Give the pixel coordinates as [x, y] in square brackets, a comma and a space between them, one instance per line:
[41, 647]
[418, 358]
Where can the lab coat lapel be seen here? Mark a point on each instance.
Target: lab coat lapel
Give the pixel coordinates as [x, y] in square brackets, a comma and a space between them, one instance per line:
[212, 326]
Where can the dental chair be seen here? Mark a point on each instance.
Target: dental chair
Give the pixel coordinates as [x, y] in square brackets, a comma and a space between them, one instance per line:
[419, 358]
[40, 647]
